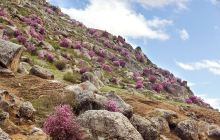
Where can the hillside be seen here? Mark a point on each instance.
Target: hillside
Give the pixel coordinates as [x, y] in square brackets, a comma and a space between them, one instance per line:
[116, 92]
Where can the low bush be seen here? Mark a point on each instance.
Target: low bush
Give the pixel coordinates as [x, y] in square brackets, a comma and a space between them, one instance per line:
[62, 124]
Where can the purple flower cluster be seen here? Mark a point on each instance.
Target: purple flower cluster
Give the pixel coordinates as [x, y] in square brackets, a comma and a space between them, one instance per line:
[36, 35]
[106, 68]
[62, 124]
[66, 43]
[111, 106]
[139, 57]
[2, 12]
[152, 78]
[116, 63]
[139, 84]
[32, 20]
[157, 87]
[83, 70]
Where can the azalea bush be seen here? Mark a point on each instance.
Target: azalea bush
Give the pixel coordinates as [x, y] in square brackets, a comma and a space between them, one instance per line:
[157, 87]
[62, 125]
[106, 68]
[152, 78]
[139, 84]
[65, 42]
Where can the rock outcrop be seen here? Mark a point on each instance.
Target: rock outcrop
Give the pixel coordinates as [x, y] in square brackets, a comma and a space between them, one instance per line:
[108, 125]
[10, 54]
[41, 72]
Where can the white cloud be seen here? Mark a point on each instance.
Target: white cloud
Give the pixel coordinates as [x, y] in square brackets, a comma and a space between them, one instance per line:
[184, 35]
[215, 2]
[118, 18]
[180, 4]
[214, 102]
[210, 65]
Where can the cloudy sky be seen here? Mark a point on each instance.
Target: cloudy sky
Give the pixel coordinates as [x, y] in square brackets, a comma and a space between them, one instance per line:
[182, 36]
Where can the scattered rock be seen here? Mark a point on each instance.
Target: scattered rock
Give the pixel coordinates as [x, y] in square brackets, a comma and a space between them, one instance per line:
[108, 125]
[187, 130]
[161, 124]
[24, 68]
[41, 72]
[146, 128]
[123, 107]
[26, 110]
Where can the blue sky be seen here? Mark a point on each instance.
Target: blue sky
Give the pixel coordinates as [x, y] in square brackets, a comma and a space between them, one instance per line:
[182, 36]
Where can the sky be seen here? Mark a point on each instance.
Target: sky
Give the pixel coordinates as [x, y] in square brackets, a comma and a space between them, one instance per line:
[182, 36]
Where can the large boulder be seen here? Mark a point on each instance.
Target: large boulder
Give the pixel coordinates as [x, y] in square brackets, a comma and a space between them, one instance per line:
[145, 127]
[122, 106]
[89, 76]
[10, 54]
[41, 72]
[86, 97]
[187, 130]
[3, 135]
[108, 125]
[169, 115]
[214, 132]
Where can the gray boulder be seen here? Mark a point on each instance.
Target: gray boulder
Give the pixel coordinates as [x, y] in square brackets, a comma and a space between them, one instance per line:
[10, 54]
[26, 110]
[41, 72]
[187, 130]
[145, 127]
[108, 125]
[86, 97]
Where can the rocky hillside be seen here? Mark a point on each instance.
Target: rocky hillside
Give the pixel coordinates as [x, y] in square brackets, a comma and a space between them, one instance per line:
[98, 86]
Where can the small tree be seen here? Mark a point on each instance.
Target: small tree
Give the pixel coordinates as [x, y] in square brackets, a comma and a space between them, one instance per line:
[62, 125]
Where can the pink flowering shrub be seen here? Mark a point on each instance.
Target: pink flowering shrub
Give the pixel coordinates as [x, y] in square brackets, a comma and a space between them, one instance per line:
[50, 57]
[49, 11]
[157, 87]
[106, 68]
[111, 106]
[30, 47]
[17, 32]
[139, 84]
[122, 63]
[147, 71]
[78, 46]
[65, 42]
[139, 57]
[92, 31]
[2, 12]
[62, 125]
[36, 35]
[83, 70]
[105, 34]
[21, 39]
[91, 54]
[101, 60]
[116, 63]
[152, 78]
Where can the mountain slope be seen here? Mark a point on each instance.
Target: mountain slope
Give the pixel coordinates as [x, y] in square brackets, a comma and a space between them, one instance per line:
[73, 54]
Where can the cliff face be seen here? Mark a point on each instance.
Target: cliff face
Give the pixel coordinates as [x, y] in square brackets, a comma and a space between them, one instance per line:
[63, 49]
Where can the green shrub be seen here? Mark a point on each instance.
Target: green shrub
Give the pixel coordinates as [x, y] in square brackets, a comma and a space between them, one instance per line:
[71, 77]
